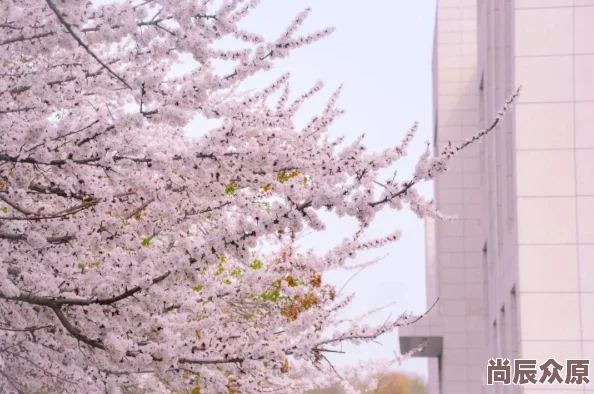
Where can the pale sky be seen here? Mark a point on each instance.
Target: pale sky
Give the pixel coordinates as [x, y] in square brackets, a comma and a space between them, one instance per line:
[381, 51]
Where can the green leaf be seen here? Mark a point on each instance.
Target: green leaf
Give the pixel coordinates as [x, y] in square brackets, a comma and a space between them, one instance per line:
[227, 282]
[272, 296]
[198, 288]
[146, 242]
[220, 270]
[284, 176]
[4, 209]
[94, 264]
[267, 205]
[236, 272]
[195, 390]
[256, 265]
[230, 189]
[81, 266]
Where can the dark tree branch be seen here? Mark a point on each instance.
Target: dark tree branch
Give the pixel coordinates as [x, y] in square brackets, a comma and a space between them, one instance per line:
[11, 111]
[63, 135]
[87, 202]
[68, 27]
[22, 89]
[24, 38]
[55, 215]
[10, 26]
[36, 187]
[75, 332]
[139, 209]
[52, 240]
[16, 206]
[129, 293]
[26, 329]
[59, 302]
[61, 162]
[380, 331]
[210, 209]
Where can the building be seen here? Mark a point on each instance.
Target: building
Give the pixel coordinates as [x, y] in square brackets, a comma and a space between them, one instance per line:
[515, 273]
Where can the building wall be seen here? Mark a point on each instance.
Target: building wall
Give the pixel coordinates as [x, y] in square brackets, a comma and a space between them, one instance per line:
[538, 188]
[496, 39]
[458, 244]
[432, 281]
[515, 272]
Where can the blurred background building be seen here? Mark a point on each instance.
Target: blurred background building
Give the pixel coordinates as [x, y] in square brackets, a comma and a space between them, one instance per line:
[515, 272]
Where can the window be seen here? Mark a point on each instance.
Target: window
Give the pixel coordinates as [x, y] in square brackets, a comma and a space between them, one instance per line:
[494, 341]
[503, 344]
[435, 128]
[481, 119]
[509, 124]
[486, 286]
[503, 348]
[514, 324]
[495, 350]
[514, 334]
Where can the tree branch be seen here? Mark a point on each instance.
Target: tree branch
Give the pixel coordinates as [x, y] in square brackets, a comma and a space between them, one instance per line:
[63, 135]
[26, 329]
[75, 332]
[59, 302]
[55, 215]
[61, 162]
[10, 111]
[22, 89]
[52, 240]
[68, 27]
[24, 38]
[16, 206]
[36, 187]
[139, 209]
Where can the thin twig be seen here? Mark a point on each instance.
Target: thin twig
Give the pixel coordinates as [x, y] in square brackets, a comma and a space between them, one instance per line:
[59, 302]
[68, 27]
[24, 38]
[26, 329]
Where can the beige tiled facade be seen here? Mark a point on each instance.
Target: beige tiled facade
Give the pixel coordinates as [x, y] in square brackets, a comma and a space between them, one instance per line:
[515, 272]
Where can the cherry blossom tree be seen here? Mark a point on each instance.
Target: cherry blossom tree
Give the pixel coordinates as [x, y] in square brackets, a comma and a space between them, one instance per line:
[131, 253]
[385, 383]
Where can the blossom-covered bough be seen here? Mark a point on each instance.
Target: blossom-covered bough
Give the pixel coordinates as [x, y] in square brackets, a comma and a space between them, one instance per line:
[130, 253]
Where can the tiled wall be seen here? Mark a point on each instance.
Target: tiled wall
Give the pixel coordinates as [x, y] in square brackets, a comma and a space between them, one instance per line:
[515, 273]
[458, 244]
[555, 162]
[546, 254]
[498, 204]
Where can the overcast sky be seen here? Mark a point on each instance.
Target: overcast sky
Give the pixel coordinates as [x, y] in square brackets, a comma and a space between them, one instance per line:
[381, 51]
